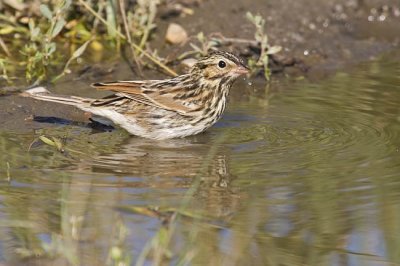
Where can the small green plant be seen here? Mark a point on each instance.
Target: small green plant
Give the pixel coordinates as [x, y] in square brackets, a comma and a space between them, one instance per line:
[75, 55]
[127, 36]
[3, 70]
[205, 44]
[42, 39]
[266, 49]
[142, 20]
[41, 47]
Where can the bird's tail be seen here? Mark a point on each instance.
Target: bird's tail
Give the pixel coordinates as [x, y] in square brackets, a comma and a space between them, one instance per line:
[41, 93]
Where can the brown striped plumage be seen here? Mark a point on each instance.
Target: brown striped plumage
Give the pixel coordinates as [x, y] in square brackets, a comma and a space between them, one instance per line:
[161, 109]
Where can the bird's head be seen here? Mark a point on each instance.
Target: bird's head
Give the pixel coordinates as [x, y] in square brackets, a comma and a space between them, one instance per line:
[220, 66]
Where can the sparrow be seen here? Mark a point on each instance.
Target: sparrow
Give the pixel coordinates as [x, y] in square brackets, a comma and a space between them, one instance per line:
[162, 109]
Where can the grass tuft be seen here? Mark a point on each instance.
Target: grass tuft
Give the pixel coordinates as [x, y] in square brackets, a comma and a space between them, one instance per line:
[266, 49]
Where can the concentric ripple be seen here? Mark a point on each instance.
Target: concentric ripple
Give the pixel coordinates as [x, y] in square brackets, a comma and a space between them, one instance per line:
[348, 121]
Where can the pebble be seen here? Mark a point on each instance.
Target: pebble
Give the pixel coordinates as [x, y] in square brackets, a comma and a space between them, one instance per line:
[176, 34]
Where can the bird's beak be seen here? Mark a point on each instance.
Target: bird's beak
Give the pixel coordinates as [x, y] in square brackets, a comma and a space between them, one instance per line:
[241, 70]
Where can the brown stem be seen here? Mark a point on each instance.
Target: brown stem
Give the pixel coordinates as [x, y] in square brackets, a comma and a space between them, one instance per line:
[226, 40]
[149, 56]
[128, 34]
[4, 47]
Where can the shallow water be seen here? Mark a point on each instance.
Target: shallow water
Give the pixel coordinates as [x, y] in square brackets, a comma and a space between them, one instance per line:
[298, 173]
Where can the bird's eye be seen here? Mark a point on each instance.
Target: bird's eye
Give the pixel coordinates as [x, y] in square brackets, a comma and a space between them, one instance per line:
[221, 64]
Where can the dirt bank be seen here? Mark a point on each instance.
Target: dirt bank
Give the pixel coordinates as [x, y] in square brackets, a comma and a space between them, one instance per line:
[325, 35]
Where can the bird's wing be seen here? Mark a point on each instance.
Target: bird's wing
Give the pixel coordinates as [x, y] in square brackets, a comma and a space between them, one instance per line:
[142, 92]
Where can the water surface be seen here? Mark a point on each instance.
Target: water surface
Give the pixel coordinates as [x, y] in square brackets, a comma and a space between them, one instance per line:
[296, 173]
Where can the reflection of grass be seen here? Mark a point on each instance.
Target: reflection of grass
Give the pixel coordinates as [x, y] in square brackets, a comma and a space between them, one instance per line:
[298, 205]
[159, 245]
[8, 172]
[63, 216]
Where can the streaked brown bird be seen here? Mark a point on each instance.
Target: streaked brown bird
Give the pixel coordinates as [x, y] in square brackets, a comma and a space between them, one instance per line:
[161, 109]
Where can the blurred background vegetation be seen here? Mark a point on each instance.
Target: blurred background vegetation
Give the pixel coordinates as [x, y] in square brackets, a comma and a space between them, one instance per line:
[41, 39]
[41, 35]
